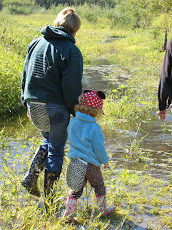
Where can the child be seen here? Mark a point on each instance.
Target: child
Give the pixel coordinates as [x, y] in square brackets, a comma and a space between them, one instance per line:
[87, 148]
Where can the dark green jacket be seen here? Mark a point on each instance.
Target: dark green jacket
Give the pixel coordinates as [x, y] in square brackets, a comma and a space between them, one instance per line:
[53, 69]
[165, 84]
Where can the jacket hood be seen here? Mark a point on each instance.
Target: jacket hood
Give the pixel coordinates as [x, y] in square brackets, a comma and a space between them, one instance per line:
[51, 32]
[84, 117]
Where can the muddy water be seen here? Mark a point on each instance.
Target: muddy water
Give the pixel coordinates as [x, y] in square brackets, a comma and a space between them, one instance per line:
[154, 141]
[100, 77]
[156, 154]
[155, 157]
[157, 141]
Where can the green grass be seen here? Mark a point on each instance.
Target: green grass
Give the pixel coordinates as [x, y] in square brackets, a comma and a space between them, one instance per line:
[137, 53]
[134, 194]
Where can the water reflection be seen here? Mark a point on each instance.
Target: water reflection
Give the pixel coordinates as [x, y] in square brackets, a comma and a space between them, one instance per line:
[156, 142]
[154, 148]
[101, 77]
[155, 156]
[156, 139]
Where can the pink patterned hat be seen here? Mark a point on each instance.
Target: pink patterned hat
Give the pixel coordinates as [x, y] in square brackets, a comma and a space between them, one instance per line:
[92, 98]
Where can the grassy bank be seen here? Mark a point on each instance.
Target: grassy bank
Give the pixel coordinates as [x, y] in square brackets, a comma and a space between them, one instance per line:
[137, 52]
[136, 195]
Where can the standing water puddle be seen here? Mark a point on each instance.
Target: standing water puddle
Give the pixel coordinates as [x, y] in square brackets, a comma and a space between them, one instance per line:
[156, 143]
[156, 158]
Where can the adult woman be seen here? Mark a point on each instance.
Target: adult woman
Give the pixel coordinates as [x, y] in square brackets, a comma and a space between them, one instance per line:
[51, 85]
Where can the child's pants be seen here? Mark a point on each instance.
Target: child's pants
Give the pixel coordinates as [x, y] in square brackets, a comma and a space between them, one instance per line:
[95, 178]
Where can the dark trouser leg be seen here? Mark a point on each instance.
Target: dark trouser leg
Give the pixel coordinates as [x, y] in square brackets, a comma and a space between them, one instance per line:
[95, 178]
[56, 139]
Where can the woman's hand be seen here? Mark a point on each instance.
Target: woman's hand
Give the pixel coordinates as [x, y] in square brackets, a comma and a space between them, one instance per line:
[106, 165]
[162, 115]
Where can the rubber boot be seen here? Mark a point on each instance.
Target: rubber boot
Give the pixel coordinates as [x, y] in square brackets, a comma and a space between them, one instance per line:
[49, 179]
[36, 166]
[102, 203]
[70, 207]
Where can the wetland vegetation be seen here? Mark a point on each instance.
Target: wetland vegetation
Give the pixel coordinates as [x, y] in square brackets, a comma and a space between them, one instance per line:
[126, 47]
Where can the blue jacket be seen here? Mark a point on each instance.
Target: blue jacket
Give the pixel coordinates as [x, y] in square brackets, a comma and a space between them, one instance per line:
[53, 69]
[86, 140]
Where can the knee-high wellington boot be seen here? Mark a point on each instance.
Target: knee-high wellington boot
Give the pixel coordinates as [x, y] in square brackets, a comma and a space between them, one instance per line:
[36, 166]
[49, 179]
[102, 203]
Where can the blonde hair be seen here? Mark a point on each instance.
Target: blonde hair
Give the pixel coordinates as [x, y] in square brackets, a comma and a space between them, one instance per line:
[94, 112]
[69, 18]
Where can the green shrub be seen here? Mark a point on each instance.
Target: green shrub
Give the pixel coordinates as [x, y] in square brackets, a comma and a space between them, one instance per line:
[18, 6]
[10, 78]
[14, 9]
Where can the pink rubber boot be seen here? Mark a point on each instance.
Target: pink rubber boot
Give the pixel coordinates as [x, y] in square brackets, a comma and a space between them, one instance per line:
[102, 203]
[70, 207]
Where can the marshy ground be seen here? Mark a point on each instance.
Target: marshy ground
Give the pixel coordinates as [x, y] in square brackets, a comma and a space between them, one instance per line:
[139, 180]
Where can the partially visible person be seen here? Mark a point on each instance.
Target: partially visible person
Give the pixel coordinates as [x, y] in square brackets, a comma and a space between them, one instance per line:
[165, 84]
[87, 153]
[51, 85]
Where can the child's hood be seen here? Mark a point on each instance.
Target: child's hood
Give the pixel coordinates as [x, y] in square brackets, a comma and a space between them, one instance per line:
[84, 117]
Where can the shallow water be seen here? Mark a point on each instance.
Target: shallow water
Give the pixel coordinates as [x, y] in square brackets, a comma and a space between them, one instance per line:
[156, 154]
[156, 147]
[117, 139]
[99, 76]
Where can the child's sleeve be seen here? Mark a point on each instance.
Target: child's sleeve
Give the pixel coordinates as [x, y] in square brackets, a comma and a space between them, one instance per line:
[98, 145]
